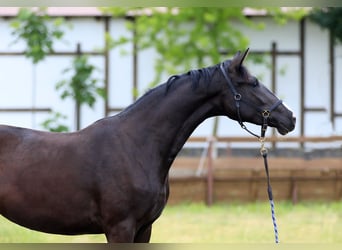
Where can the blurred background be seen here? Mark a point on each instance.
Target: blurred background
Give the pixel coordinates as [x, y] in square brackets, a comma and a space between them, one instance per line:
[62, 68]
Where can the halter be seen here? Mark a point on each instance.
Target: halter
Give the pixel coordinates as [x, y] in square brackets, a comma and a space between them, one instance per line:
[238, 98]
[263, 150]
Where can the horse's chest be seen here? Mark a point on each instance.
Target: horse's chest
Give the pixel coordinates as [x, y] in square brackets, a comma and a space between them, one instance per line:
[151, 201]
[157, 204]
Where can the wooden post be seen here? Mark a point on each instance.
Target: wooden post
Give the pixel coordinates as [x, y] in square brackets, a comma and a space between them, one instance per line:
[294, 191]
[210, 175]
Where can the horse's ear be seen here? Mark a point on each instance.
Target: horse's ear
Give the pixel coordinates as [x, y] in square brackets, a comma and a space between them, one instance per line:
[238, 60]
[244, 56]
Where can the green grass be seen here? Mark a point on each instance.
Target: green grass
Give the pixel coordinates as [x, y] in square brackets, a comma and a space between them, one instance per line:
[312, 222]
[250, 223]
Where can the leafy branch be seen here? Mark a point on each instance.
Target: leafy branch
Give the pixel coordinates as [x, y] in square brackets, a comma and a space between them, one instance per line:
[185, 37]
[39, 32]
[32, 27]
[81, 87]
[329, 18]
[53, 123]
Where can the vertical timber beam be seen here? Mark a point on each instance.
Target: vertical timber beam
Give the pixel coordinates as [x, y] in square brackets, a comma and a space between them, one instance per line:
[135, 61]
[302, 78]
[274, 78]
[106, 62]
[332, 79]
[77, 103]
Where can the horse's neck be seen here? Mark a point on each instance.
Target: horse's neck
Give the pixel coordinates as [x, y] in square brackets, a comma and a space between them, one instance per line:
[165, 121]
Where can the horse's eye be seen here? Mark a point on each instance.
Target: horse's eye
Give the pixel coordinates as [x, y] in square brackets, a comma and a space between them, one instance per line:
[255, 83]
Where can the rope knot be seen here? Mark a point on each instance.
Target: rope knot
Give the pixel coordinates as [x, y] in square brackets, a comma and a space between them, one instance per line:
[263, 149]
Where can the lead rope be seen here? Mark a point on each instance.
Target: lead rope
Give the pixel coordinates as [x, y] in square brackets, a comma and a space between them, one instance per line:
[263, 152]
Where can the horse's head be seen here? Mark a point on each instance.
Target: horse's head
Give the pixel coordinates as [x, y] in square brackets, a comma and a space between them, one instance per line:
[251, 98]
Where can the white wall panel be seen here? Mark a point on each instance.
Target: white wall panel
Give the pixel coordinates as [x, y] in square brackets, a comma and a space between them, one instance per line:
[15, 82]
[25, 85]
[120, 68]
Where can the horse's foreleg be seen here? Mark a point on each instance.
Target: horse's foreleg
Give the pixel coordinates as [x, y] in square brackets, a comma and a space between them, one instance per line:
[120, 233]
[144, 235]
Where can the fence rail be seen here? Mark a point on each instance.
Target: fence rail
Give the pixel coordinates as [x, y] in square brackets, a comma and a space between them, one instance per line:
[301, 139]
[242, 178]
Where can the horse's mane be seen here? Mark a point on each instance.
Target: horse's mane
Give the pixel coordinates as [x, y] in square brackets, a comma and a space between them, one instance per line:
[195, 75]
[203, 75]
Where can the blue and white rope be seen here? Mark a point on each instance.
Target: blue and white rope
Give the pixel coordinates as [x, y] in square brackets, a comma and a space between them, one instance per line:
[264, 152]
[274, 222]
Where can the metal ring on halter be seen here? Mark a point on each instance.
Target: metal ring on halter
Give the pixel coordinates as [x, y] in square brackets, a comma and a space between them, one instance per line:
[237, 97]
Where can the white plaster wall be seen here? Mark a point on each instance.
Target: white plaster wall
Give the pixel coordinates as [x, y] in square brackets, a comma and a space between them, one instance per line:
[25, 85]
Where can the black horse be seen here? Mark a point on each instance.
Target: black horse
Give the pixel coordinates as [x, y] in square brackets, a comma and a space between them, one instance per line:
[112, 177]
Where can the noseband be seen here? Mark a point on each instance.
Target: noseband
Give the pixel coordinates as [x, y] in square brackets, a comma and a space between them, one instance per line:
[238, 98]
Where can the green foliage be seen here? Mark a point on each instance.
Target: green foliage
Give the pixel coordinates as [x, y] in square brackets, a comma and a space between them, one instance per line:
[53, 124]
[39, 32]
[81, 86]
[185, 38]
[33, 28]
[283, 15]
[329, 18]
